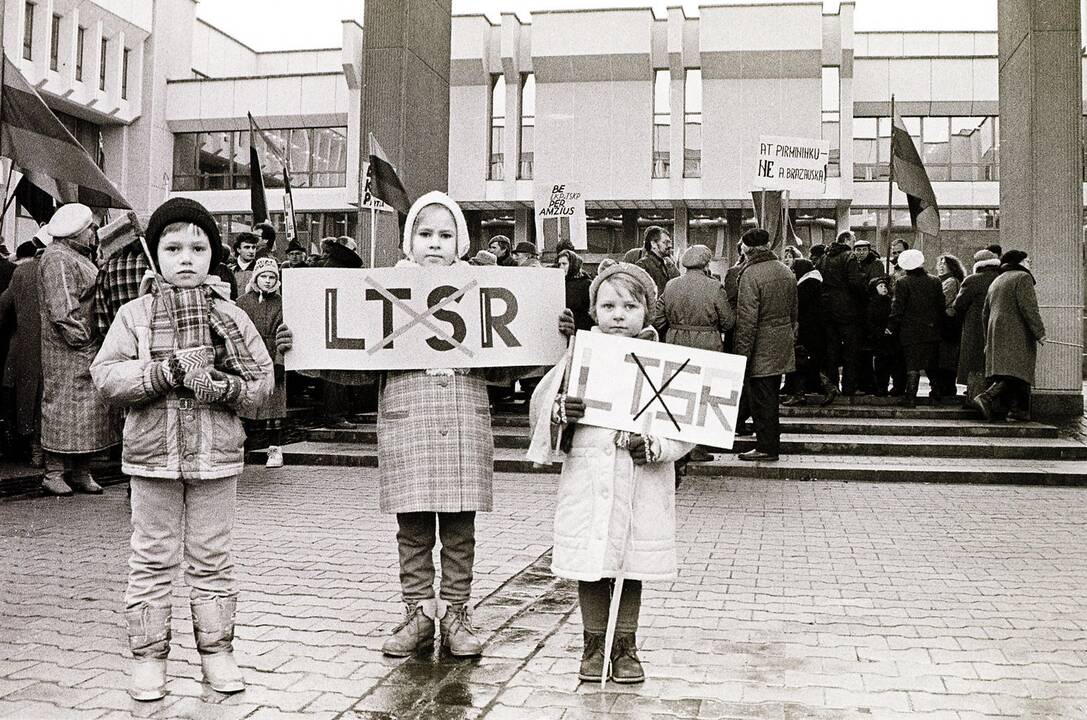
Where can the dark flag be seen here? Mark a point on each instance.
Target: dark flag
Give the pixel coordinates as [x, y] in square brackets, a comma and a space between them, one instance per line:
[384, 182]
[909, 173]
[258, 201]
[38, 203]
[39, 145]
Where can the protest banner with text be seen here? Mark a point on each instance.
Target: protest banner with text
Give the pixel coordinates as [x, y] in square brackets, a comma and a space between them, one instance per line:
[415, 318]
[560, 215]
[687, 394]
[798, 165]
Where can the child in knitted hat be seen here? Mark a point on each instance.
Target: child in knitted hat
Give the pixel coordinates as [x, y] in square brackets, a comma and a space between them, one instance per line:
[616, 499]
[185, 362]
[263, 303]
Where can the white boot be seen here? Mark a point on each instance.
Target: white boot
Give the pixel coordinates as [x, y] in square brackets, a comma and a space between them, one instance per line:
[149, 640]
[275, 457]
[213, 625]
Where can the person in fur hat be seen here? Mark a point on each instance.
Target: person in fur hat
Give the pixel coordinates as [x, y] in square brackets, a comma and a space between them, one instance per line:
[435, 454]
[616, 498]
[185, 362]
[263, 303]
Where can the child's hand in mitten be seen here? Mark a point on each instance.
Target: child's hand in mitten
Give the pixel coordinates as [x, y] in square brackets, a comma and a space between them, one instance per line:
[566, 322]
[210, 385]
[639, 449]
[284, 339]
[575, 408]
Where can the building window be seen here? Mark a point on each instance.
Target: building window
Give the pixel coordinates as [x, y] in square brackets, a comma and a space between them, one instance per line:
[692, 123]
[80, 39]
[497, 127]
[662, 121]
[102, 65]
[124, 74]
[54, 44]
[528, 125]
[832, 118]
[310, 227]
[87, 134]
[28, 31]
[220, 160]
[953, 149]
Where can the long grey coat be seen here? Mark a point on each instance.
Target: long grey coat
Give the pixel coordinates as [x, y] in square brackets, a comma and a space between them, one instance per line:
[766, 316]
[74, 418]
[693, 311]
[968, 305]
[23, 369]
[1013, 325]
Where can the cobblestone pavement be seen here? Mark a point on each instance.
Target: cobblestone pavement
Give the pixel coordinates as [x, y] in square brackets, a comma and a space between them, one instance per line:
[794, 600]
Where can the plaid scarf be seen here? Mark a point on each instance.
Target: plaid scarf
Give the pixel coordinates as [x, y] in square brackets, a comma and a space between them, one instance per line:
[199, 323]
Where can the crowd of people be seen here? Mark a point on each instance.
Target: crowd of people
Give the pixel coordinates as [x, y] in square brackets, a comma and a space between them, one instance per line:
[166, 346]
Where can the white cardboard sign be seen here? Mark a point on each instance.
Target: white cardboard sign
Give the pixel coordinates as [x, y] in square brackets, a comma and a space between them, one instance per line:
[560, 215]
[793, 164]
[413, 318]
[619, 379]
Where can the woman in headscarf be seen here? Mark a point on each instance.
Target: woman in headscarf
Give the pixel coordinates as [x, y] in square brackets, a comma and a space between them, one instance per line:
[577, 287]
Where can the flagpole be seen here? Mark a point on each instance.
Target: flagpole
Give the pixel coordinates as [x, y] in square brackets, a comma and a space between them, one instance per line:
[890, 187]
[373, 236]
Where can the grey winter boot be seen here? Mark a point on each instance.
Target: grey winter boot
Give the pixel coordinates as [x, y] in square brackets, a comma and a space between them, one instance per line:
[458, 635]
[213, 626]
[149, 640]
[417, 630]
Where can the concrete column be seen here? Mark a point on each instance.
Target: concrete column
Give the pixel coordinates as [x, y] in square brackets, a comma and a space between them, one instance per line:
[1041, 187]
[631, 236]
[679, 232]
[405, 99]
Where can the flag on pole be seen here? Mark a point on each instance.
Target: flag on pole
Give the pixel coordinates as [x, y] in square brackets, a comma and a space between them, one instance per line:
[39, 145]
[258, 200]
[37, 202]
[909, 173]
[288, 208]
[384, 182]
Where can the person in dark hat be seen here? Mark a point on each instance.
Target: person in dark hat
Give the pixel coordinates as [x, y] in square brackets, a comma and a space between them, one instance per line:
[340, 256]
[296, 255]
[501, 247]
[525, 254]
[766, 316]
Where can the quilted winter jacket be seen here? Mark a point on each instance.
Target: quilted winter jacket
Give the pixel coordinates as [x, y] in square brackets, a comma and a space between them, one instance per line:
[601, 493]
[174, 436]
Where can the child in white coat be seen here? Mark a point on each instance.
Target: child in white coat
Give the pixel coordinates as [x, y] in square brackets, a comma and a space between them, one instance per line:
[616, 498]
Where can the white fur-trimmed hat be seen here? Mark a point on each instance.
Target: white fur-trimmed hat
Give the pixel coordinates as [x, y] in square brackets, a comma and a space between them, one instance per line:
[911, 259]
[70, 220]
[436, 197]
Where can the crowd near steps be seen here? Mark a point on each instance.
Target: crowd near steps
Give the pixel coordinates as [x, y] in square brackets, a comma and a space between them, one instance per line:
[853, 439]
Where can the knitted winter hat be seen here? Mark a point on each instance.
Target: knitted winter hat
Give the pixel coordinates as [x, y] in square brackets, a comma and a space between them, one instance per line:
[636, 274]
[484, 257]
[294, 246]
[502, 240]
[525, 247]
[983, 255]
[182, 209]
[755, 237]
[261, 266]
[696, 256]
[435, 197]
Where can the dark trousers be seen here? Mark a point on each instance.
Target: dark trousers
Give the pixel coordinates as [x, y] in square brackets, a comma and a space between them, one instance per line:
[595, 598]
[762, 397]
[1016, 395]
[882, 370]
[843, 340]
[415, 541]
[866, 374]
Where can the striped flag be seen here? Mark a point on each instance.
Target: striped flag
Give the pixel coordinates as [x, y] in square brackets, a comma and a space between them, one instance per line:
[39, 145]
[258, 199]
[909, 173]
[384, 182]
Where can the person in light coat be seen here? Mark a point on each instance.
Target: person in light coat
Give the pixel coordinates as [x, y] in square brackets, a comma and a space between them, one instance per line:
[615, 510]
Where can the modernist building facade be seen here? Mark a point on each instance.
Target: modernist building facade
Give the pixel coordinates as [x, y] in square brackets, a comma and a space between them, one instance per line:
[655, 120]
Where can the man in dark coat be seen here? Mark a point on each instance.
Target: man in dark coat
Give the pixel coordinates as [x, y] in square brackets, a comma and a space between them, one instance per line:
[766, 319]
[810, 348]
[1013, 332]
[841, 314]
[867, 266]
[968, 306]
[501, 247]
[916, 313]
[657, 259]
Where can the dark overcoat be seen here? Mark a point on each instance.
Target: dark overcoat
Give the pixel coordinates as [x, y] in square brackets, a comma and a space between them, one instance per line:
[917, 309]
[810, 331]
[267, 315]
[660, 269]
[693, 311]
[1013, 325]
[23, 369]
[968, 306]
[766, 315]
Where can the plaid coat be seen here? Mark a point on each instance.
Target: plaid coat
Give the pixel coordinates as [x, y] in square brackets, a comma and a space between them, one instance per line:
[74, 418]
[434, 443]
